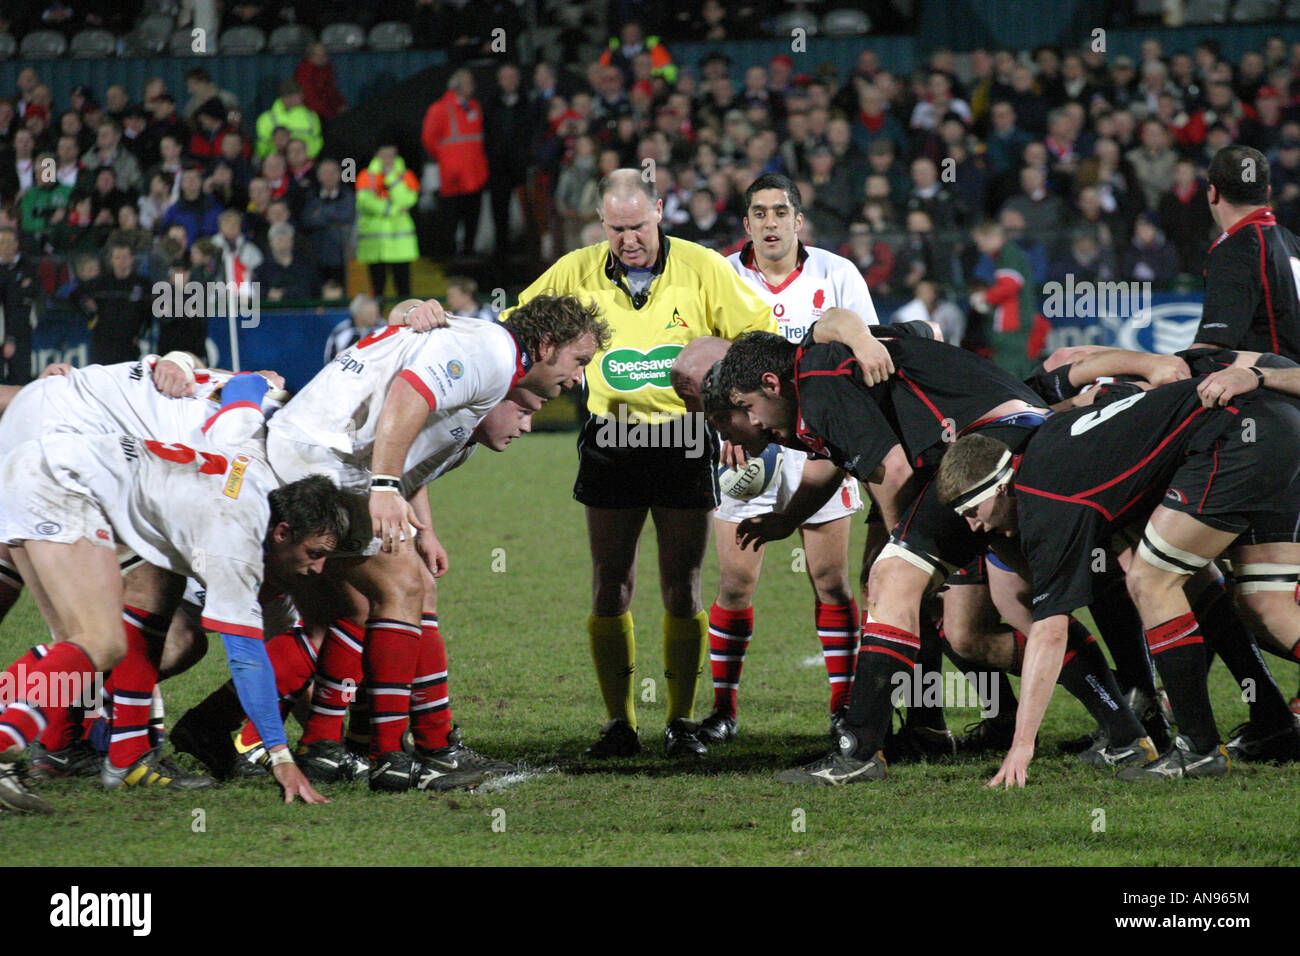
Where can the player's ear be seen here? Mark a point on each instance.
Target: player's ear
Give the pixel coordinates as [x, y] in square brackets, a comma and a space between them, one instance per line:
[545, 348]
[282, 533]
[771, 382]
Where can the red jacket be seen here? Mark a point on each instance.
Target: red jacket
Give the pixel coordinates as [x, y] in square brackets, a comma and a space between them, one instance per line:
[453, 137]
[319, 91]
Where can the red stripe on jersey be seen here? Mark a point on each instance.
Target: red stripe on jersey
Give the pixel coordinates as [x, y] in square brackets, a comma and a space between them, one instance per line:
[1070, 498]
[844, 368]
[414, 381]
[374, 337]
[1209, 484]
[1268, 293]
[1262, 217]
[225, 408]
[1155, 451]
[923, 397]
[221, 627]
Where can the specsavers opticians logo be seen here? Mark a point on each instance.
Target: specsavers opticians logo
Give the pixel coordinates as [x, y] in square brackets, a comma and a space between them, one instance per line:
[627, 370]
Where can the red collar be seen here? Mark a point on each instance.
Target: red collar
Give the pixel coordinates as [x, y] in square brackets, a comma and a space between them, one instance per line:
[1261, 217]
[747, 260]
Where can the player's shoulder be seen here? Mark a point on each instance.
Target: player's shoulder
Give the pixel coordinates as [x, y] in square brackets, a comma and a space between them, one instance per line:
[827, 263]
[822, 357]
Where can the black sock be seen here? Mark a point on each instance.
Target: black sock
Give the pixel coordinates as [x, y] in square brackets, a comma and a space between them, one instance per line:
[884, 652]
[1002, 704]
[1086, 675]
[1179, 652]
[929, 660]
[1225, 633]
[1119, 625]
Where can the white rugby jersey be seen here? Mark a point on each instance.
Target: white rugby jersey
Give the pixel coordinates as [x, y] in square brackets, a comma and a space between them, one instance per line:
[461, 371]
[117, 398]
[199, 509]
[821, 281]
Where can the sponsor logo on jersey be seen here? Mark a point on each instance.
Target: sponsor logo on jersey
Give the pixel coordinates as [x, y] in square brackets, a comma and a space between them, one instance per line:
[235, 480]
[819, 299]
[348, 363]
[48, 527]
[779, 310]
[1173, 494]
[628, 369]
[676, 322]
[103, 535]
[455, 369]
[458, 433]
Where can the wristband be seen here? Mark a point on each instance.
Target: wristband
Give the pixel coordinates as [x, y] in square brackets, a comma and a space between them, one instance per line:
[281, 756]
[1259, 376]
[184, 360]
[386, 483]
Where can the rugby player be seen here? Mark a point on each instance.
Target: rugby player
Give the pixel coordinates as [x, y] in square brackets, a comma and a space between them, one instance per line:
[71, 497]
[1089, 472]
[891, 436]
[384, 417]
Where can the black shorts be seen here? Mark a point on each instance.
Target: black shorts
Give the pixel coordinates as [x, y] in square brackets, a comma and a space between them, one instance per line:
[659, 473]
[933, 536]
[1239, 484]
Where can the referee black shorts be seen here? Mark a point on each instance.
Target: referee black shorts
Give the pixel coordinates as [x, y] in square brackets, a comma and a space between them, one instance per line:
[661, 471]
[1249, 479]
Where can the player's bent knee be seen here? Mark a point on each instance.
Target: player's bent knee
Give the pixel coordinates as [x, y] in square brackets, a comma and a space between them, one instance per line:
[900, 573]
[1160, 566]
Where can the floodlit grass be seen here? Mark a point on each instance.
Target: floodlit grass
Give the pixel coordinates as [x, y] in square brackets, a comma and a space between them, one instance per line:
[523, 688]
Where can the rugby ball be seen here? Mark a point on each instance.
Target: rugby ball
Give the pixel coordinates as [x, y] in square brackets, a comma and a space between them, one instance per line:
[753, 477]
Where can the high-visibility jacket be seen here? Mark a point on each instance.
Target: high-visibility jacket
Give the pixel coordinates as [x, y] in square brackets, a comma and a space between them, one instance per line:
[453, 136]
[661, 61]
[385, 230]
[301, 123]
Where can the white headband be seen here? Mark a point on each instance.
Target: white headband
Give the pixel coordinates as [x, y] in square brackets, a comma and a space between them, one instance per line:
[986, 487]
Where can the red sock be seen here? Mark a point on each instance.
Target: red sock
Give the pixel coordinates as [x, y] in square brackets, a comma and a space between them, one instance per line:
[338, 674]
[133, 683]
[430, 700]
[293, 660]
[391, 655]
[14, 682]
[729, 635]
[66, 667]
[837, 628]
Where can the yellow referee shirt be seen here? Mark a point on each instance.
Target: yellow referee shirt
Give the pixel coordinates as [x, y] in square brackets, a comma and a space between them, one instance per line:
[695, 292]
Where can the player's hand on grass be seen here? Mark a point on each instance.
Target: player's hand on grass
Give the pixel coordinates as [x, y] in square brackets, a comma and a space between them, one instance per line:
[294, 784]
[757, 531]
[391, 518]
[425, 317]
[1015, 768]
[432, 553]
[1164, 369]
[1223, 386]
[56, 368]
[171, 379]
[877, 364]
[733, 456]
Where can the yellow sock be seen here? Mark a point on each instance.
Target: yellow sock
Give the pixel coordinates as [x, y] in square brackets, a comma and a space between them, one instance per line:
[685, 643]
[613, 650]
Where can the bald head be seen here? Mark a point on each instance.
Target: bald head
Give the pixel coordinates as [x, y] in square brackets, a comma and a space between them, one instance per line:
[624, 182]
[692, 363]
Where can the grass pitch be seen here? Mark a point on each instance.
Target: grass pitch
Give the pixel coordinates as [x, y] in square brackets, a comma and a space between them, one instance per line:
[513, 609]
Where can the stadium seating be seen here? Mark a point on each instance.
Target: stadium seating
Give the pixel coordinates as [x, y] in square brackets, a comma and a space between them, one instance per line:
[242, 41]
[390, 36]
[1249, 11]
[150, 36]
[1207, 11]
[290, 38]
[93, 44]
[786, 23]
[43, 45]
[845, 22]
[8, 46]
[182, 43]
[343, 37]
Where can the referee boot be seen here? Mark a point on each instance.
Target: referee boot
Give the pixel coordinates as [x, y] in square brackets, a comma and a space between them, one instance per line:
[681, 740]
[617, 739]
[717, 728]
[1181, 761]
[153, 770]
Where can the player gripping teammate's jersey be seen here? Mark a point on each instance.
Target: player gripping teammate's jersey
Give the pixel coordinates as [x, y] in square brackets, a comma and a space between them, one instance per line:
[821, 281]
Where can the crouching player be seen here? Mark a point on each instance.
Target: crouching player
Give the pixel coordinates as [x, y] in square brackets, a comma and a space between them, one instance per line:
[1091, 472]
[205, 512]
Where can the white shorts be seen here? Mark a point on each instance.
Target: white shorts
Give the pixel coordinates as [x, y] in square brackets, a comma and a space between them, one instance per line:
[294, 460]
[846, 501]
[44, 505]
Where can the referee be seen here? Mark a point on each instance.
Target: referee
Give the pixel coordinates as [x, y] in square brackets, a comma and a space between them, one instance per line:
[1251, 298]
[656, 294]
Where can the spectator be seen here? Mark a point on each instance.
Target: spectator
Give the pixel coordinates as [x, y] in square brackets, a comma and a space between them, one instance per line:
[45, 203]
[19, 291]
[196, 210]
[233, 246]
[363, 318]
[1153, 163]
[76, 231]
[300, 175]
[289, 112]
[453, 137]
[275, 170]
[109, 151]
[164, 120]
[1043, 213]
[872, 255]
[211, 127]
[255, 214]
[117, 309]
[37, 122]
[328, 217]
[1027, 101]
[170, 162]
[315, 76]
[129, 233]
[154, 204]
[1006, 141]
[190, 333]
[1008, 299]
[135, 138]
[106, 198]
[462, 299]
[506, 126]
[18, 168]
[1149, 258]
[631, 41]
[834, 195]
[71, 124]
[9, 121]
[67, 161]
[1185, 212]
[286, 275]
[929, 306]
[386, 190]
[201, 89]
[1285, 179]
[1085, 261]
[1116, 184]
[575, 193]
[945, 207]
[705, 225]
